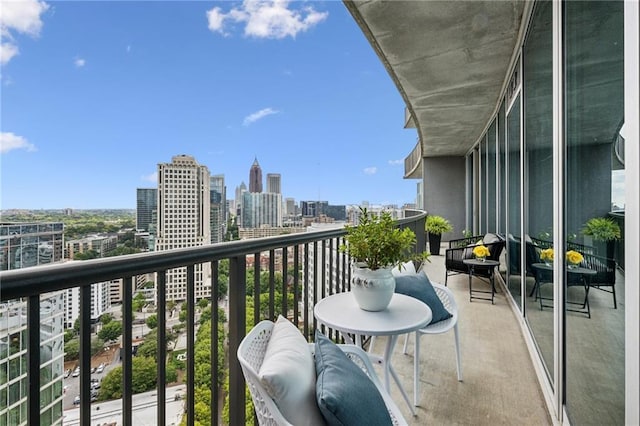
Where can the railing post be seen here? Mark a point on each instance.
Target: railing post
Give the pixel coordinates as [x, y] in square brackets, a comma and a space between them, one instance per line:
[237, 331]
[191, 345]
[85, 354]
[125, 351]
[162, 346]
[215, 385]
[33, 357]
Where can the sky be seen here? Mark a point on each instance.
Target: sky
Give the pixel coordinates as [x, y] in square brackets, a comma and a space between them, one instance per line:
[95, 94]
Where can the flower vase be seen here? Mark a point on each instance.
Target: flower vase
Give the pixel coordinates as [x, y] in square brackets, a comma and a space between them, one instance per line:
[372, 289]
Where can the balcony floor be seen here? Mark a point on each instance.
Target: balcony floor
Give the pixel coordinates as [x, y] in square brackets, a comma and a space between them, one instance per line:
[499, 386]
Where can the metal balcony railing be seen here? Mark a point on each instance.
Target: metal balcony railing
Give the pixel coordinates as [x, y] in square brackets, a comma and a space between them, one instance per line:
[320, 270]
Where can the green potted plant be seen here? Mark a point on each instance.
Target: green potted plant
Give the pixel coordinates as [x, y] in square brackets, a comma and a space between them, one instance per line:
[376, 246]
[605, 230]
[436, 226]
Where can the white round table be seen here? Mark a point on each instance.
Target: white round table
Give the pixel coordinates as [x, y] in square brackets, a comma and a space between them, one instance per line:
[403, 315]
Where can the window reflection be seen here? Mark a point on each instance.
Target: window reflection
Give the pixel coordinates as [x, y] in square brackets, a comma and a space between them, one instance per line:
[538, 134]
[594, 115]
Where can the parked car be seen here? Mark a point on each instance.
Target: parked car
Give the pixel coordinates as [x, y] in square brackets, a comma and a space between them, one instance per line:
[93, 370]
[76, 400]
[100, 369]
[67, 373]
[76, 372]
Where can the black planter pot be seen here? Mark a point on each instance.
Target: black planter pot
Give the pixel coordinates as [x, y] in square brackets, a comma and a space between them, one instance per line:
[434, 243]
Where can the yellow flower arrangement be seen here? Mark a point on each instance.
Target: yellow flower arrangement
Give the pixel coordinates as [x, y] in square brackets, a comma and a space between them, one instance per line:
[574, 257]
[481, 251]
[547, 255]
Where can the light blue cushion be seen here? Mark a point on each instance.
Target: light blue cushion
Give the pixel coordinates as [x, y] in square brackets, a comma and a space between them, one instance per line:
[345, 394]
[419, 286]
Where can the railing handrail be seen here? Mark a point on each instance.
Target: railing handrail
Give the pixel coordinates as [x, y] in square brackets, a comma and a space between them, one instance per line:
[32, 281]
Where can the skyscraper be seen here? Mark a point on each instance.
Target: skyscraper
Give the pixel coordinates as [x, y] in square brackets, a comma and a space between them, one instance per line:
[218, 208]
[147, 202]
[273, 183]
[255, 177]
[261, 209]
[23, 245]
[184, 219]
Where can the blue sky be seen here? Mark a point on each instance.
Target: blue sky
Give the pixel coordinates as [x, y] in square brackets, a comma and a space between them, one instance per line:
[96, 94]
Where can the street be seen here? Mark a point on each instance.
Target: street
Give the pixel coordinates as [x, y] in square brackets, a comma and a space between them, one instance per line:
[144, 409]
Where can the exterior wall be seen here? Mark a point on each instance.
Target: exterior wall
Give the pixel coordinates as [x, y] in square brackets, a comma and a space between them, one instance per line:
[30, 244]
[260, 209]
[444, 191]
[184, 219]
[268, 231]
[147, 202]
[274, 183]
[13, 359]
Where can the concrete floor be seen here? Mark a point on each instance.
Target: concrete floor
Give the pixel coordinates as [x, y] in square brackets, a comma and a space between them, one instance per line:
[499, 384]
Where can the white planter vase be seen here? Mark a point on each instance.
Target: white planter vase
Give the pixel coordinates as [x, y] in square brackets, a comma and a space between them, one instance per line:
[372, 289]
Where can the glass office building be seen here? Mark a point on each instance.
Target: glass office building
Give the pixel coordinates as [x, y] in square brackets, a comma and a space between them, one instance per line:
[23, 245]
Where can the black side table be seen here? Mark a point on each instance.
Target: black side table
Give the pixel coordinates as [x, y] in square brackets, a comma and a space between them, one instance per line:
[487, 266]
[583, 276]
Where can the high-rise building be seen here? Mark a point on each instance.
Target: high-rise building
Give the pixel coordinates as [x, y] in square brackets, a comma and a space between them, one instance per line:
[290, 207]
[218, 214]
[23, 245]
[30, 244]
[273, 183]
[100, 302]
[147, 202]
[240, 190]
[184, 219]
[261, 209]
[255, 177]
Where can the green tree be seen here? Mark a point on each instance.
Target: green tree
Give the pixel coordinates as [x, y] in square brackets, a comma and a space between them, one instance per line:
[205, 315]
[72, 349]
[148, 348]
[203, 303]
[106, 318]
[86, 255]
[68, 335]
[152, 321]
[97, 345]
[110, 331]
[138, 302]
[144, 378]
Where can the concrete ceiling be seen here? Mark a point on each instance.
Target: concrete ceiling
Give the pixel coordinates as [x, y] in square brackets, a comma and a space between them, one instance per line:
[449, 60]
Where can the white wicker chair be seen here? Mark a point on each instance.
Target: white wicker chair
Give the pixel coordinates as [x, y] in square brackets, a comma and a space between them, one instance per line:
[251, 354]
[446, 296]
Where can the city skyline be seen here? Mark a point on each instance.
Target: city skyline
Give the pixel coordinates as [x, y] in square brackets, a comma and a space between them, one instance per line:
[303, 92]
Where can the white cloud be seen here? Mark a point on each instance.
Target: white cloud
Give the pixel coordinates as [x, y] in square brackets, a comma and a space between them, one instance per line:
[266, 19]
[396, 162]
[79, 62]
[21, 17]
[153, 177]
[370, 170]
[7, 51]
[252, 118]
[9, 142]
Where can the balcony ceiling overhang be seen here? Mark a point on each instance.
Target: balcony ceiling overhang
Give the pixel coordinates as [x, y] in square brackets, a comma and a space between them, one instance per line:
[449, 60]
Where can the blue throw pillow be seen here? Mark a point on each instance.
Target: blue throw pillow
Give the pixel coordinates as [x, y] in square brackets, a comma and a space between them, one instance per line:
[419, 286]
[345, 394]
